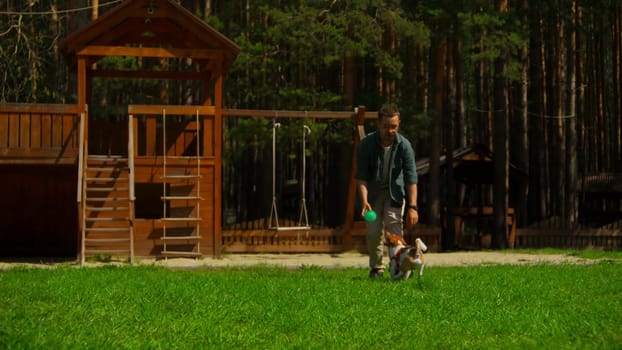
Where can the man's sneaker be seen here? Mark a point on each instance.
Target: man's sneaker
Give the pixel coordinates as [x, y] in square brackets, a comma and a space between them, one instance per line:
[375, 273]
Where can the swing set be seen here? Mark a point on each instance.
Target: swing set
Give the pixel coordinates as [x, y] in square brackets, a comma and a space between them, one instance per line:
[303, 219]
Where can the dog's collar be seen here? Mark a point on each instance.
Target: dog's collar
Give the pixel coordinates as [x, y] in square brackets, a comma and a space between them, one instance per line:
[399, 251]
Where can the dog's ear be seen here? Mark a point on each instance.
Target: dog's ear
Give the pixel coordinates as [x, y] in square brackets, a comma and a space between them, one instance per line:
[387, 238]
[394, 239]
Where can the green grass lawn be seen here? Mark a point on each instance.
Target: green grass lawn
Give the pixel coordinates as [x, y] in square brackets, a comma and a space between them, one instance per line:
[144, 307]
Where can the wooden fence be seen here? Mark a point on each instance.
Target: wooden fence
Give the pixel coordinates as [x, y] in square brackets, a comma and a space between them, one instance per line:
[602, 239]
[325, 240]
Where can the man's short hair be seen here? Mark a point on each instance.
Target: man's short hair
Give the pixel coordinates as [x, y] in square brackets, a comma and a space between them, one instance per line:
[388, 111]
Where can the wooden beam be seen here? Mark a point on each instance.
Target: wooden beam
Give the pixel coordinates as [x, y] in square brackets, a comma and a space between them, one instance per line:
[39, 108]
[148, 75]
[294, 114]
[150, 52]
[82, 81]
[170, 109]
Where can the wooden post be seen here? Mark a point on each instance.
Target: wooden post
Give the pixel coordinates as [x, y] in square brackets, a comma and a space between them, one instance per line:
[82, 106]
[217, 143]
[349, 219]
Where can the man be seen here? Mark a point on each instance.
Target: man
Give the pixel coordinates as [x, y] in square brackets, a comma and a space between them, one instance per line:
[386, 177]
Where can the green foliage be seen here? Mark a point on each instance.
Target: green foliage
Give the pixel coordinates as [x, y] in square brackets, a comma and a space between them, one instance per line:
[293, 54]
[493, 35]
[292, 58]
[246, 134]
[30, 66]
[509, 307]
[251, 134]
[417, 126]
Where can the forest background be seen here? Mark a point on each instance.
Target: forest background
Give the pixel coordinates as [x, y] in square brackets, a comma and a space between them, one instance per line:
[537, 82]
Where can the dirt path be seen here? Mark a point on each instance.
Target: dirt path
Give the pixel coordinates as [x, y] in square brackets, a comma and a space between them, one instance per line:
[357, 260]
[344, 260]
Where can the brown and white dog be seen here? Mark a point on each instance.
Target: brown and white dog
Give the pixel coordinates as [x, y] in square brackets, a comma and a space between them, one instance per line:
[405, 258]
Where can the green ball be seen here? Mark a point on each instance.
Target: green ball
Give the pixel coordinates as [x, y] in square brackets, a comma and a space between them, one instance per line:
[370, 216]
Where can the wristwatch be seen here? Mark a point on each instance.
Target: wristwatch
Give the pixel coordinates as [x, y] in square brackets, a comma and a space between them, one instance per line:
[413, 207]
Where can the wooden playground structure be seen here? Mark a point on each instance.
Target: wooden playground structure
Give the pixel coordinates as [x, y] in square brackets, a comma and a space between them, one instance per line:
[146, 186]
[149, 184]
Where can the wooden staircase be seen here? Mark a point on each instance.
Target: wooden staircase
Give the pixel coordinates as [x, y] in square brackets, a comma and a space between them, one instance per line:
[107, 211]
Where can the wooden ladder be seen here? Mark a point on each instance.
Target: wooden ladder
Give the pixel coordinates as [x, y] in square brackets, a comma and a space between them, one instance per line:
[181, 202]
[107, 212]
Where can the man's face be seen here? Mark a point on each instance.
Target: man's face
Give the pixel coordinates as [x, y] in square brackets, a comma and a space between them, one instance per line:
[388, 127]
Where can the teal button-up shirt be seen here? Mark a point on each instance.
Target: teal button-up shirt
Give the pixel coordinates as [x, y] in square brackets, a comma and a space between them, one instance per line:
[402, 169]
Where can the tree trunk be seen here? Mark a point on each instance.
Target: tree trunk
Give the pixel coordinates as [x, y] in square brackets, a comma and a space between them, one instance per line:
[559, 86]
[616, 30]
[391, 44]
[482, 122]
[348, 79]
[571, 162]
[450, 183]
[541, 144]
[94, 9]
[599, 71]
[500, 180]
[439, 56]
[580, 104]
[33, 54]
[207, 10]
[519, 137]
[460, 126]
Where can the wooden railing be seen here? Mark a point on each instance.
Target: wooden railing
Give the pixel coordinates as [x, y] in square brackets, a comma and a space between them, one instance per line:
[39, 133]
[132, 173]
[130, 155]
[82, 154]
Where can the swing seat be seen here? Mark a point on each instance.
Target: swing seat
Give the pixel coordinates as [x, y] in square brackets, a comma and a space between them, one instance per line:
[291, 228]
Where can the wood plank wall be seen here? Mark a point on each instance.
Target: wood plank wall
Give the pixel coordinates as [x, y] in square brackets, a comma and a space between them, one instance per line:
[147, 231]
[39, 133]
[38, 210]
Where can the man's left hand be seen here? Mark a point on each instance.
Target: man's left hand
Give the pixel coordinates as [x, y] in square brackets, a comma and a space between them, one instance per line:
[412, 217]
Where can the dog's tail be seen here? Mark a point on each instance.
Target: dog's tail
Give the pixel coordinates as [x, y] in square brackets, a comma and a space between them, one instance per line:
[420, 245]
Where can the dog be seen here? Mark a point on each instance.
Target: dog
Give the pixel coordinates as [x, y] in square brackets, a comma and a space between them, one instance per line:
[405, 258]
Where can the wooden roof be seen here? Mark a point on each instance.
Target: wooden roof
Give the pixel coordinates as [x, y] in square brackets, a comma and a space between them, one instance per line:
[150, 28]
[472, 164]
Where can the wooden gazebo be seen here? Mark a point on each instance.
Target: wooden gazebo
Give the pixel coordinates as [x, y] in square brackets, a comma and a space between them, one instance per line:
[473, 170]
[153, 186]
